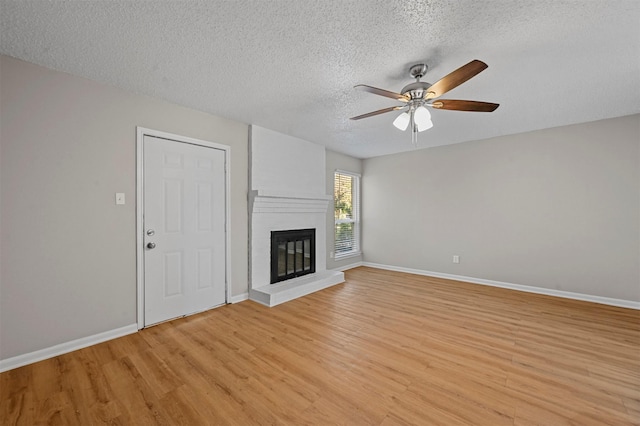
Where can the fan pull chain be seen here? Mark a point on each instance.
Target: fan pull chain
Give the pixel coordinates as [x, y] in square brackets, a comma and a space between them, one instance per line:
[414, 136]
[414, 130]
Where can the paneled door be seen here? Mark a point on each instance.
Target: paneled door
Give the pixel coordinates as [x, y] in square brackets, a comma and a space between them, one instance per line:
[184, 228]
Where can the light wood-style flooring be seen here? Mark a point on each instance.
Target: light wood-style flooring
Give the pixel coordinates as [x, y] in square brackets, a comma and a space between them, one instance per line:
[385, 348]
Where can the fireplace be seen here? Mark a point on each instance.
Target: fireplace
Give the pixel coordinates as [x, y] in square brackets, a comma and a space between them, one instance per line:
[293, 254]
[288, 191]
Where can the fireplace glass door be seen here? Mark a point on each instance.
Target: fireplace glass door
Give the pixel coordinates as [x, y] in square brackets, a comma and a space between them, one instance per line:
[293, 254]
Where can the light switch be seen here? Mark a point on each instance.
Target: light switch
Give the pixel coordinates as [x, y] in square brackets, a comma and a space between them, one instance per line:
[119, 197]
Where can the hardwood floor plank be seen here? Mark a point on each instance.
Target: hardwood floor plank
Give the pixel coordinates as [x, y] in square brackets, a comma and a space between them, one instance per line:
[134, 395]
[19, 409]
[384, 348]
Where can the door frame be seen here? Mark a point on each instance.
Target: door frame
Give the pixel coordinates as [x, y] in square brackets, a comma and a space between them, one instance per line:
[141, 132]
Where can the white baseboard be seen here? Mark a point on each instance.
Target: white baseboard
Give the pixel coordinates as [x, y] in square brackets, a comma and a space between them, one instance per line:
[239, 298]
[529, 289]
[63, 348]
[349, 266]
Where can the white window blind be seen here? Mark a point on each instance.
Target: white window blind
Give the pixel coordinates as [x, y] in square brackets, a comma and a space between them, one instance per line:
[346, 202]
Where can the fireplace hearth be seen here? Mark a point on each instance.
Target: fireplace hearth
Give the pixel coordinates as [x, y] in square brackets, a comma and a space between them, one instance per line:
[293, 254]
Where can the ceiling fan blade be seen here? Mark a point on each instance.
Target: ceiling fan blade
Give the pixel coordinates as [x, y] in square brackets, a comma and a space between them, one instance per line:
[382, 92]
[458, 105]
[380, 111]
[455, 78]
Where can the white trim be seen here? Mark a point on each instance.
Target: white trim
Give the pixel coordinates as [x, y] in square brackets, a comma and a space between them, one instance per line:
[63, 348]
[529, 289]
[272, 202]
[239, 298]
[355, 220]
[349, 266]
[141, 132]
[347, 255]
[289, 194]
[345, 172]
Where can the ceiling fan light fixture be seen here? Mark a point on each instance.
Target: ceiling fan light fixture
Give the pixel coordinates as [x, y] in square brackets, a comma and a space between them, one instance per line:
[422, 117]
[425, 125]
[402, 121]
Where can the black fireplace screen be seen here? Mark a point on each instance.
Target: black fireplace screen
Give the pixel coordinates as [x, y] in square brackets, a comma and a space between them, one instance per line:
[293, 254]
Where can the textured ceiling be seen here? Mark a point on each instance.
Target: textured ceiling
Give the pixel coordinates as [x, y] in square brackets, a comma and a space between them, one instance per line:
[290, 65]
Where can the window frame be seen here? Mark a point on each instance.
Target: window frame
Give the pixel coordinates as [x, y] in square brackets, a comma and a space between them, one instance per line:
[355, 213]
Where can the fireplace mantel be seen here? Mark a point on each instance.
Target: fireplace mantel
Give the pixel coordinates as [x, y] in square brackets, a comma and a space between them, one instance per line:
[262, 201]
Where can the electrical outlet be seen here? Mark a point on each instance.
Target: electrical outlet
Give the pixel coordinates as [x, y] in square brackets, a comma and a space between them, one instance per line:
[456, 258]
[331, 254]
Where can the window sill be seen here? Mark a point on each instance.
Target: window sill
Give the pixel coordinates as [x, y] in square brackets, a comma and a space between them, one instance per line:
[347, 255]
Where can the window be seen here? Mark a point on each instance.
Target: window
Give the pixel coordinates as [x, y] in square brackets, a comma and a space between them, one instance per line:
[346, 202]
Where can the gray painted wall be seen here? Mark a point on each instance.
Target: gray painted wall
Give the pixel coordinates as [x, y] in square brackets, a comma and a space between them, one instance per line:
[68, 252]
[336, 161]
[556, 208]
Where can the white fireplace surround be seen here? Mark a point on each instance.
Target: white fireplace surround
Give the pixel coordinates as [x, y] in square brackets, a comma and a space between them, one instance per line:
[280, 212]
[298, 201]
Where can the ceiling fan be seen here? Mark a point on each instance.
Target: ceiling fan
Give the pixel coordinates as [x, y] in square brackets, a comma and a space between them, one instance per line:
[419, 95]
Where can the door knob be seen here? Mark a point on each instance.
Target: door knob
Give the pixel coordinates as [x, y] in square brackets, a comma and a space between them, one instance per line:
[151, 245]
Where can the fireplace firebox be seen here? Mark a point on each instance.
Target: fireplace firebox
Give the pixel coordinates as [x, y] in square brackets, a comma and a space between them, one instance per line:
[293, 254]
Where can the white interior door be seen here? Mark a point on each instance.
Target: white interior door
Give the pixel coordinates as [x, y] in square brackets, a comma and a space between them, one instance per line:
[184, 228]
